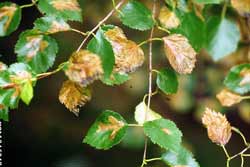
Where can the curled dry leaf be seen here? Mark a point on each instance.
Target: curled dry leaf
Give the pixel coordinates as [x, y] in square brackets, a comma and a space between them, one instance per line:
[84, 67]
[168, 19]
[73, 96]
[180, 53]
[228, 98]
[128, 55]
[65, 5]
[242, 6]
[218, 128]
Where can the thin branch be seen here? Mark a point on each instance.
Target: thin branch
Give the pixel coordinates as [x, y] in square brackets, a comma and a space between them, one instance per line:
[241, 134]
[100, 23]
[150, 40]
[29, 5]
[79, 32]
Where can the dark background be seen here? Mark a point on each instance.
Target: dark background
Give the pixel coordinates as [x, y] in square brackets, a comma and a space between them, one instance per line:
[47, 134]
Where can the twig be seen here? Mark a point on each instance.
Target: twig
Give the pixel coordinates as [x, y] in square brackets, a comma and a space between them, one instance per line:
[100, 23]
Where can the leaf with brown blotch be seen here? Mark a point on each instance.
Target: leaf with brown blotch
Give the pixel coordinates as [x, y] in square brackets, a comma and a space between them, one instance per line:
[168, 19]
[84, 67]
[65, 5]
[245, 74]
[73, 96]
[218, 128]
[228, 98]
[114, 125]
[180, 53]
[8, 11]
[128, 55]
[242, 6]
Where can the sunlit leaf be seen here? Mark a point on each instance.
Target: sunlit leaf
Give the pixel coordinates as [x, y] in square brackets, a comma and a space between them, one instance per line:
[74, 96]
[51, 24]
[164, 133]
[168, 19]
[66, 9]
[222, 37]
[135, 15]
[228, 98]
[38, 50]
[141, 111]
[182, 158]
[10, 17]
[167, 81]
[238, 79]
[180, 53]
[27, 93]
[107, 131]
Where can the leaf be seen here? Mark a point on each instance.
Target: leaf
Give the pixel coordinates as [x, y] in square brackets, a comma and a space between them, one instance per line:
[242, 6]
[164, 133]
[209, 1]
[10, 17]
[116, 79]
[128, 55]
[180, 53]
[38, 50]
[183, 158]
[168, 19]
[3, 66]
[84, 67]
[135, 15]
[222, 37]
[228, 98]
[192, 28]
[238, 79]
[66, 9]
[27, 93]
[51, 24]
[167, 81]
[74, 96]
[107, 131]
[4, 112]
[140, 113]
[102, 47]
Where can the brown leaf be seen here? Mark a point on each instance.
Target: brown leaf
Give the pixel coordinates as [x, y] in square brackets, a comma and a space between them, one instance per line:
[180, 53]
[245, 74]
[218, 128]
[128, 55]
[114, 125]
[66, 4]
[8, 11]
[228, 98]
[242, 6]
[84, 67]
[73, 96]
[168, 19]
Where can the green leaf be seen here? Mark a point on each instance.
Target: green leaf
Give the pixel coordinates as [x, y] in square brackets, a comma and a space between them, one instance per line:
[51, 24]
[209, 1]
[238, 79]
[140, 113]
[27, 93]
[116, 79]
[222, 37]
[182, 158]
[102, 47]
[135, 15]
[66, 9]
[192, 28]
[4, 113]
[167, 81]
[164, 133]
[107, 131]
[10, 17]
[38, 50]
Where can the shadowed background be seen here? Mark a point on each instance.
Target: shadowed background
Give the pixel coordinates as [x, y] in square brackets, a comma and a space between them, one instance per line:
[47, 134]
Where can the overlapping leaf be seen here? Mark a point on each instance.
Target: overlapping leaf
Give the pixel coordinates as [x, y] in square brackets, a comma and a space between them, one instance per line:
[238, 79]
[135, 15]
[51, 24]
[107, 131]
[66, 9]
[10, 17]
[38, 50]
[164, 133]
